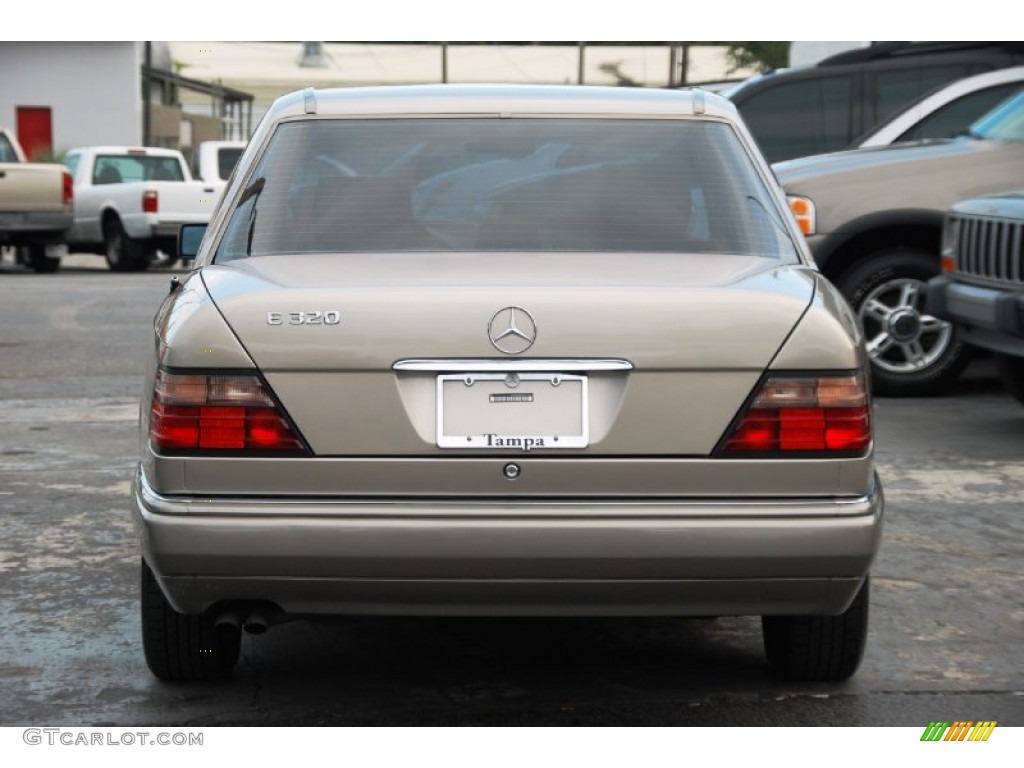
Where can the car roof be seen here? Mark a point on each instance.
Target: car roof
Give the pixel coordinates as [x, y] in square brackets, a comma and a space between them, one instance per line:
[129, 150]
[862, 59]
[893, 50]
[502, 100]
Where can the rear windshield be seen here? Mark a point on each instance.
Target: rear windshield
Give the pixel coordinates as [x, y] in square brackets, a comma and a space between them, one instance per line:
[7, 154]
[1004, 123]
[227, 157]
[114, 169]
[504, 185]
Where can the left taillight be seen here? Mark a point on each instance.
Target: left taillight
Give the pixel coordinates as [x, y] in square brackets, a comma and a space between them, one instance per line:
[819, 415]
[150, 201]
[68, 189]
[218, 412]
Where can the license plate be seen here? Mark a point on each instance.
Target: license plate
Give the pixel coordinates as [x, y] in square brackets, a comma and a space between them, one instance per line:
[512, 411]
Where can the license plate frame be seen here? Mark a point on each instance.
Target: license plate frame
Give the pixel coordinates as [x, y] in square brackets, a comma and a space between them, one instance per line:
[511, 390]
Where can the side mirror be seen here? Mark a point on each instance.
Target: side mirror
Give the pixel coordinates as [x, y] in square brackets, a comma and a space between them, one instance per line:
[190, 236]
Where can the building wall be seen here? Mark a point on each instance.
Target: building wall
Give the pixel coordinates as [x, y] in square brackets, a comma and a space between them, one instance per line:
[92, 89]
[165, 126]
[202, 129]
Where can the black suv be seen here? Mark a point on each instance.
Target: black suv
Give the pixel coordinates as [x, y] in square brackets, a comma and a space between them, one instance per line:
[807, 111]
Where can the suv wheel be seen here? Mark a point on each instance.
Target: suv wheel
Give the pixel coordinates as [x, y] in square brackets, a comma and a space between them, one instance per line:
[180, 646]
[1011, 372]
[912, 353]
[818, 647]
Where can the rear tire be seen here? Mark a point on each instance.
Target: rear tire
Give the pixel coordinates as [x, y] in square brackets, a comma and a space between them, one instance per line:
[1011, 372]
[818, 648]
[912, 353]
[124, 254]
[39, 260]
[180, 646]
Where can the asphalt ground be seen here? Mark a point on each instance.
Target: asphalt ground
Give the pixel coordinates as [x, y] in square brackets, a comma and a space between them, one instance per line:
[947, 622]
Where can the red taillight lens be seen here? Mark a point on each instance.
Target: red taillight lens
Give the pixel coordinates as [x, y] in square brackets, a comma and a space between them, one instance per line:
[798, 414]
[150, 201]
[217, 413]
[68, 187]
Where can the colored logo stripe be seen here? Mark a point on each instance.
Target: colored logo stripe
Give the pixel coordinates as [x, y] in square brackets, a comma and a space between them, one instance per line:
[960, 730]
[982, 730]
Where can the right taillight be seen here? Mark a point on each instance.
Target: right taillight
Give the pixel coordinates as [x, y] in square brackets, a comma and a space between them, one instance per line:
[217, 412]
[67, 189]
[792, 414]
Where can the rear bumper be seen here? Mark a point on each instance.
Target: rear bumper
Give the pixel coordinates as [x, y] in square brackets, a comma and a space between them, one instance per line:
[165, 233]
[988, 317]
[32, 228]
[167, 228]
[477, 557]
[153, 226]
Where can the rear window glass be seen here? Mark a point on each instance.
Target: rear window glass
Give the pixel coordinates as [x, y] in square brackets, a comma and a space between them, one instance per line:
[504, 185]
[896, 89]
[7, 154]
[806, 117]
[1004, 123]
[113, 169]
[227, 157]
[955, 117]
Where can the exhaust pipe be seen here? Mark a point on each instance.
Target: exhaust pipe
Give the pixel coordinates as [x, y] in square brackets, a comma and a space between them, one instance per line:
[231, 618]
[263, 617]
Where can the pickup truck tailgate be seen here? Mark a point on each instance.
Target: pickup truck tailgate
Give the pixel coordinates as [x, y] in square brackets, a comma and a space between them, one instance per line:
[32, 187]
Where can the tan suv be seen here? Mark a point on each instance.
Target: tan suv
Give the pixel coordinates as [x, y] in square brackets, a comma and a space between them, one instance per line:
[873, 218]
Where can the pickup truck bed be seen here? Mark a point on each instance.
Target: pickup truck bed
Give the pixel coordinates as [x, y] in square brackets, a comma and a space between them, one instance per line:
[35, 205]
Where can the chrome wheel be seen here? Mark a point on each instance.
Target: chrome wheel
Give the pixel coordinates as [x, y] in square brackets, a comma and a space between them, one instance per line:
[900, 336]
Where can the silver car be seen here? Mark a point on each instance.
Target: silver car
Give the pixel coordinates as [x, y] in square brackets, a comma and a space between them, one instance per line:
[504, 351]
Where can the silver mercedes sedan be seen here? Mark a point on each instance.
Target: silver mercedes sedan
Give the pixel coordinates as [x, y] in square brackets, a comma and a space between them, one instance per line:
[504, 351]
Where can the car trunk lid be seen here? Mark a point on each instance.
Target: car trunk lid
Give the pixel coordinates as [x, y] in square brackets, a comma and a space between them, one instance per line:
[694, 333]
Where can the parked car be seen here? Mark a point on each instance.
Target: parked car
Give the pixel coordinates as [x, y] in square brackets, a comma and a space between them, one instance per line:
[36, 203]
[215, 160]
[982, 288]
[949, 110]
[607, 382]
[873, 218]
[813, 110]
[130, 202]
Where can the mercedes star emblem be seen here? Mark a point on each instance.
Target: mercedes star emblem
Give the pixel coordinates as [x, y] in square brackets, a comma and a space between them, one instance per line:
[512, 330]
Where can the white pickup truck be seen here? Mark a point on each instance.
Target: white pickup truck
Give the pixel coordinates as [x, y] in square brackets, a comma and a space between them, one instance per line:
[215, 160]
[130, 202]
[35, 206]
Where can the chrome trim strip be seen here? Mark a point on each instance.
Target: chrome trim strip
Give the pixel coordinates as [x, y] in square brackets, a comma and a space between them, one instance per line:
[154, 502]
[506, 366]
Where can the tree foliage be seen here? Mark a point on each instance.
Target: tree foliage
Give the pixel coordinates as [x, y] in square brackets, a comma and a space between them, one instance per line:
[760, 55]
